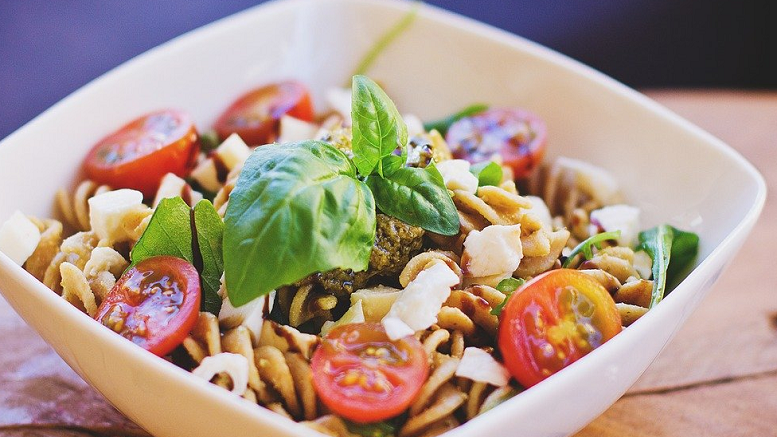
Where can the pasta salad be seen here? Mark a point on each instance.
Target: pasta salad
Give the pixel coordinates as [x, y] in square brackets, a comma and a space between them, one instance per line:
[356, 270]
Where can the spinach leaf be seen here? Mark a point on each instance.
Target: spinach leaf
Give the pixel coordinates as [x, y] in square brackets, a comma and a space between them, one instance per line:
[488, 173]
[210, 232]
[418, 197]
[442, 125]
[168, 233]
[297, 209]
[378, 129]
[685, 247]
[508, 287]
[586, 246]
[659, 244]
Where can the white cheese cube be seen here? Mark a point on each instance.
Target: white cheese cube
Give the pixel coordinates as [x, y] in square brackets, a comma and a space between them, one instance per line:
[108, 210]
[455, 173]
[250, 315]
[624, 218]
[478, 365]
[233, 151]
[417, 306]
[19, 237]
[294, 129]
[206, 175]
[496, 250]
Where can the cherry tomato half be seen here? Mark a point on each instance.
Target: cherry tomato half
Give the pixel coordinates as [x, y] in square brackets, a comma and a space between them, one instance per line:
[154, 304]
[517, 135]
[256, 115]
[139, 154]
[552, 321]
[363, 376]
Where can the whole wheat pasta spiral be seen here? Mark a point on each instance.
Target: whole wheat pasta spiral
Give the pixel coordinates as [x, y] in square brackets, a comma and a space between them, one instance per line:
[75, 208]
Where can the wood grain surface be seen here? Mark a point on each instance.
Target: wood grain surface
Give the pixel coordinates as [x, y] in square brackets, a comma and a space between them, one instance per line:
[718, 377]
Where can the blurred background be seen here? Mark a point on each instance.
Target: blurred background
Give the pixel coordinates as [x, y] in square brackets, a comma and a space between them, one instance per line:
[49, 49]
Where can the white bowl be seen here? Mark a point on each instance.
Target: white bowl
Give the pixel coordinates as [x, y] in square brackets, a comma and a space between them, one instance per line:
[671, 169]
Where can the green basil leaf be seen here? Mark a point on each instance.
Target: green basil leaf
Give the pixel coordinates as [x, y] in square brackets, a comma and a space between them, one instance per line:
[378, 129]
[586, 247]
[442, 125]
[664, 243]
[210, 233]
[685, 248]
[508, 287]
[418, 197]
[297, 209]
[168, 233]
[393, 163]
[488, 173]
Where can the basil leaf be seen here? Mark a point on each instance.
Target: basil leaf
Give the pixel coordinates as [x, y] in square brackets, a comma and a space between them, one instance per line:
[586, 246]
[210, 234]
[378, 129]
[393, 163]
[508, 287]
[442, 125]
[168, 233]
[659, 244]
[418, 197]
[297, 209]
[685, 248]
[488, 173]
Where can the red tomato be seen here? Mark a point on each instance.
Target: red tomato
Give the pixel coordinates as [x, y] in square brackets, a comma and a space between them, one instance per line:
[517, 135]
[363, 376]
[552, 321]
[256, 115]
[155, 304]
[139, 154]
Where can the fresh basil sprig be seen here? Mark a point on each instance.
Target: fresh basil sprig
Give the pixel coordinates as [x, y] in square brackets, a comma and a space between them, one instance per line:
[508, 287]
[442, 125]
[487, 172]
[170, 232]
[672, 252]
[586, 247]
[296, 209]
[416, 196]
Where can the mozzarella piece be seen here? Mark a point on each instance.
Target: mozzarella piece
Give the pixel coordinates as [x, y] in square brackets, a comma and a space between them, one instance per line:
[233, 152]
[478, 365]
[540, 210]
[19, 237]
[234, 365]
[624, 218]
[294, 129]
[340, 100]
[494, 251]
[595, 181]
[107, 212]
[173, 186]
[417, 306]
[456, 174]
[250, 315]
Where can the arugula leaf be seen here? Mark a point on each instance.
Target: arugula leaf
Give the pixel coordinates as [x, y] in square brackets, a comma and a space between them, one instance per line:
[659, 244]
[488, 173]
[442, 125]
[586, 246]
[508, 287]
[168, 233]
[418, 197]
[378, 128]
[210, 233]
[297, 209]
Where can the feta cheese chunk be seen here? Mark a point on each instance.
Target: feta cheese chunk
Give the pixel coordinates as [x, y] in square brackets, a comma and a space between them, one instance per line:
[250, 315]
[456, 174]
[294, 129]
[494, 251]
[478, 365]
[234, 365]
[19, 237]
[624, 218]
[232, 153]
[418, 304]
[107, 212]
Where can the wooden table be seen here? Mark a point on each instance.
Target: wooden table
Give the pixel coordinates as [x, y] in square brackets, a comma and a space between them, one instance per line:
[718, 377]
